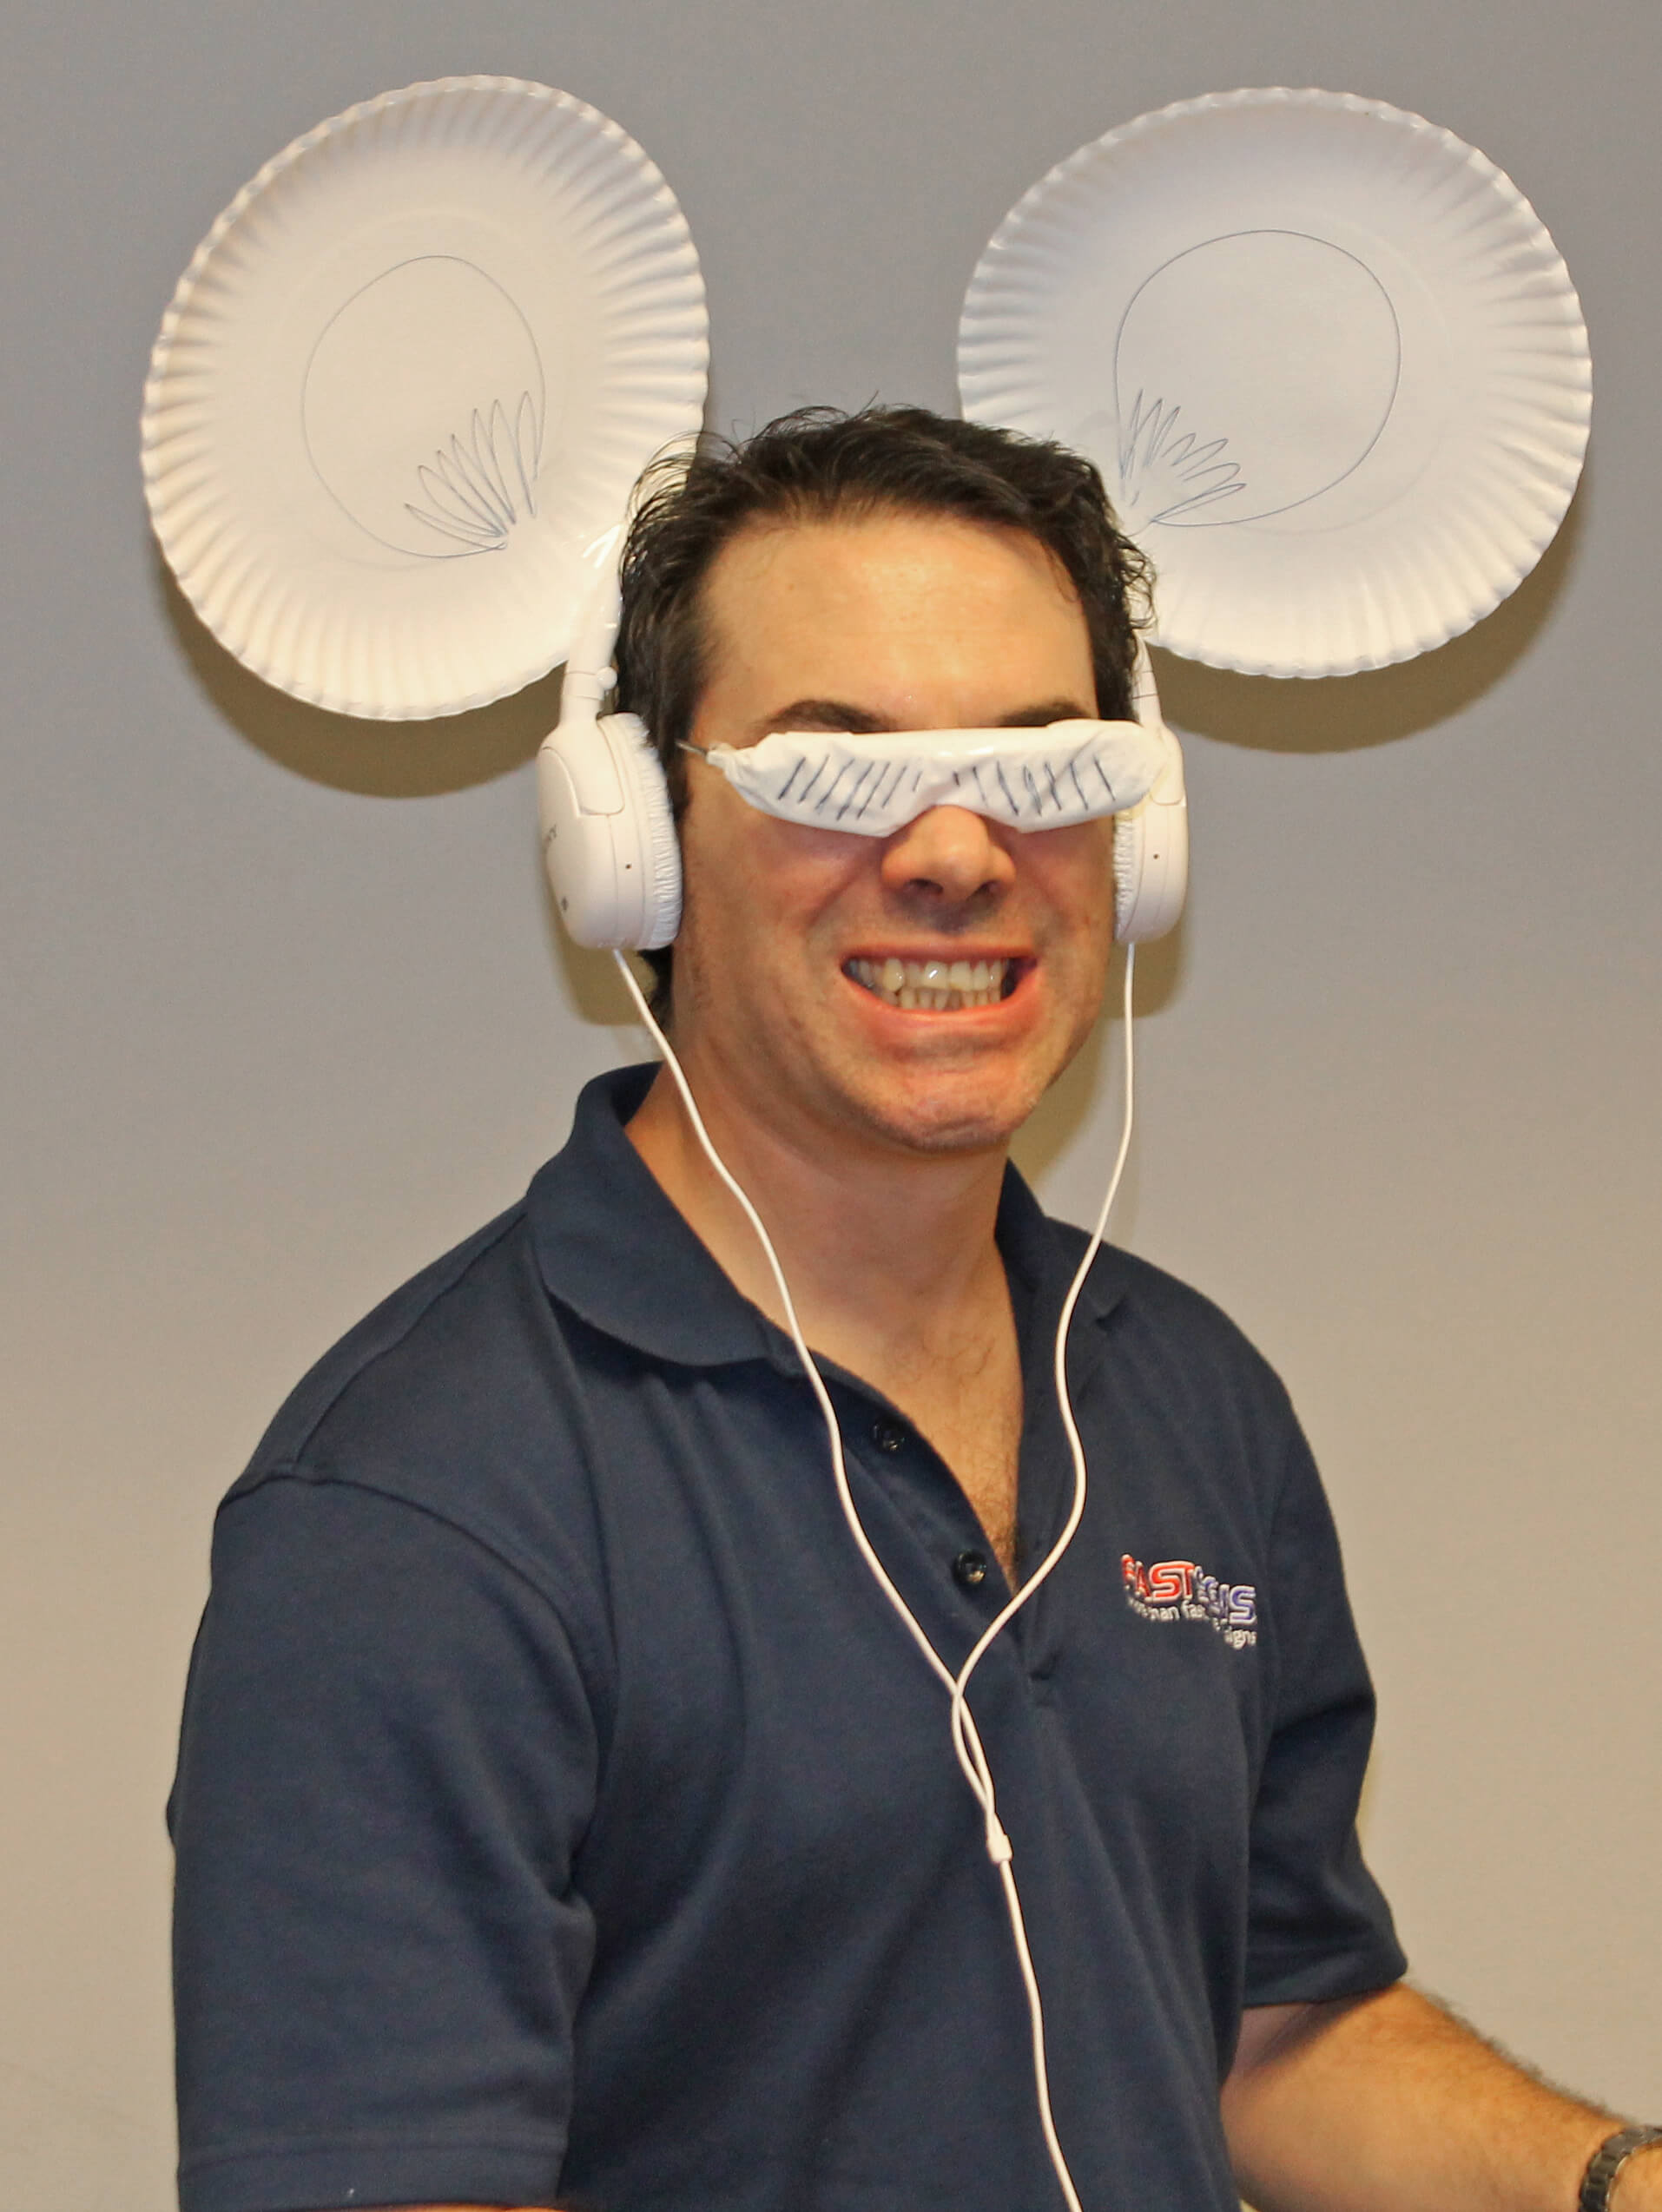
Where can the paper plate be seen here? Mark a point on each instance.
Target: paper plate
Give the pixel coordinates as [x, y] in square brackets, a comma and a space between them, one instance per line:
[1330, 364]
[409, 377]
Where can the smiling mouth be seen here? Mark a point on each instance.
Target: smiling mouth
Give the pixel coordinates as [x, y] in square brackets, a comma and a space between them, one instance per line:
[935, 986]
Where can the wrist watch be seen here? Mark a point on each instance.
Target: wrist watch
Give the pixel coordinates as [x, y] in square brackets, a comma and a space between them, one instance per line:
[1607, 2162]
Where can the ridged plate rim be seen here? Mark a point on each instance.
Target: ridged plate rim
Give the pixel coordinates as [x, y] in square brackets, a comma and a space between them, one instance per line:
[644, 292]
[1516, 469]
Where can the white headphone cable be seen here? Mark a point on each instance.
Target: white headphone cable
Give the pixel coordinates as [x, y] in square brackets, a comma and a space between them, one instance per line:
[967, 1741]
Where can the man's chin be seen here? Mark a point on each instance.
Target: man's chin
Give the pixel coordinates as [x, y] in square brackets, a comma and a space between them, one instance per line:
[953, 1096]
[941, 1118]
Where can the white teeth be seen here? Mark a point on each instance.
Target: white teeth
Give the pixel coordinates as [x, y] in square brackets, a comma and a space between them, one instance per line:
[935, 986]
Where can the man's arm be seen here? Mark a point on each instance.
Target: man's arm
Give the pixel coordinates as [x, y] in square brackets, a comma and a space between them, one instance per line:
[1384, 2103]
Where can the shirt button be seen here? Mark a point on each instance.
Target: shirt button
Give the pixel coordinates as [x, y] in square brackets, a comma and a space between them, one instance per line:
[970, 1568]
[887, 1436]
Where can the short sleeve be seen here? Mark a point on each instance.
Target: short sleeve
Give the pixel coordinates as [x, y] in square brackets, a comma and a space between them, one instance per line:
[1318, 1925]
[387, 1761]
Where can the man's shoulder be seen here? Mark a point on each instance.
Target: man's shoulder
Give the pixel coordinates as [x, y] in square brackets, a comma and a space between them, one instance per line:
[437, 1346]
[464, 1357]
[1167, 1302]
[1169, 1348]
[1148, 1300]
[458, 1405]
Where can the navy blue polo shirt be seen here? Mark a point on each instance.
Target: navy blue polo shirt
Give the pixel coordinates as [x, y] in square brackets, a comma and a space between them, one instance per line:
[562, 1816]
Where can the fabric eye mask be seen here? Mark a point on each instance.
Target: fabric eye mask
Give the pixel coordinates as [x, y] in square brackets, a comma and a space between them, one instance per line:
[874, 785]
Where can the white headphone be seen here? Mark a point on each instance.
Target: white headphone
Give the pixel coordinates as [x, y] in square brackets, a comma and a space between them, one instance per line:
[609, 833]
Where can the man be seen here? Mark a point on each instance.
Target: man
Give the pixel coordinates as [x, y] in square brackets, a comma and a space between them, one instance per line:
[563, 1818]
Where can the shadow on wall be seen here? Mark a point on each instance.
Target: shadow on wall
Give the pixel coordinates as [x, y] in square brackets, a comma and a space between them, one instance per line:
[381, 760]
[1341, 714]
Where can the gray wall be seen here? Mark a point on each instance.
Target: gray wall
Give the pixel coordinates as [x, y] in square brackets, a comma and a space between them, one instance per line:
[284, 1013]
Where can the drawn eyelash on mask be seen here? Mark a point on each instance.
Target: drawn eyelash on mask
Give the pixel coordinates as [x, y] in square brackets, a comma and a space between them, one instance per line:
[870, 773]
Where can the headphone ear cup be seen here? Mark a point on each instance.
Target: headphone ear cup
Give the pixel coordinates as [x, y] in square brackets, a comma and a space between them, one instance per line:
[659, 848]
[1151, 854]
[609, 835]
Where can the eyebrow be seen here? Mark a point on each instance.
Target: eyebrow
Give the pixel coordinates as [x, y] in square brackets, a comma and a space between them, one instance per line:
[860, 721]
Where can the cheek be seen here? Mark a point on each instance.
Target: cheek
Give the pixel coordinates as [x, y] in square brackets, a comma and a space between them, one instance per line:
[1076, 880]
[755, 883]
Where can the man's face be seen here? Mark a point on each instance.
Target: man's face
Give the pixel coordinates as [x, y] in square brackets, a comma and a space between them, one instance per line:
[799, 947]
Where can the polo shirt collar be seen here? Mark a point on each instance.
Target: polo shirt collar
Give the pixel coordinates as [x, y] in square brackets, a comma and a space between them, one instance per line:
[611, 1247]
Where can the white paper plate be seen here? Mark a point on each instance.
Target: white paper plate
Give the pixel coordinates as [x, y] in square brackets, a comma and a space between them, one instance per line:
[410, 375]
[1331, 366]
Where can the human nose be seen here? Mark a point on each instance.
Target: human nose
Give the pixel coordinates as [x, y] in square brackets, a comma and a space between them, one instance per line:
[948, 854]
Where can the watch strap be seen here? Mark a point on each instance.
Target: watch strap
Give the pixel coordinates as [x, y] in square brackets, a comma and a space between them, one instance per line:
[1607, 2162]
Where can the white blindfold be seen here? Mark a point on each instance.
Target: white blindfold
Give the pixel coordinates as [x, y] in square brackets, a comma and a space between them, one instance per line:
[875, 784]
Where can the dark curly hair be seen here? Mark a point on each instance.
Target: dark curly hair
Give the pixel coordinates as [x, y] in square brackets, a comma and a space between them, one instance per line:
[819, 463]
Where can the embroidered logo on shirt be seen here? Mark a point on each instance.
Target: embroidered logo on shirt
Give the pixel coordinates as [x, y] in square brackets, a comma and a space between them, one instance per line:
[1178, 1589]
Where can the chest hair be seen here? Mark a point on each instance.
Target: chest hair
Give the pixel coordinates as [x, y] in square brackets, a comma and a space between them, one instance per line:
[970, 1408]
